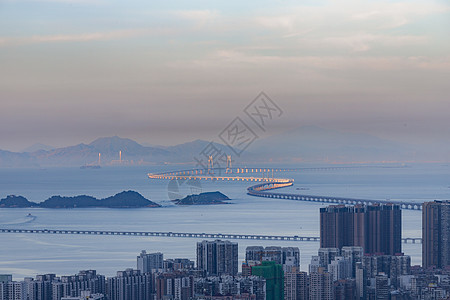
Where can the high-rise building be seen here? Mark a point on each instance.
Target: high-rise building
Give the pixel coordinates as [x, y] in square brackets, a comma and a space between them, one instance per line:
[336, 226]
[174, 285]
[295, 285]
[146, 262]
[315, 264]
[340, 268]
[382, 287]
[327, 255]
[4, 279]
[273, 273]
[320, 285]
[376, 228]
[360, 280]
[254, 253]
[289, 257]
[73, 285]
[345, 289]
[273, 253]
[12, 290]
[217, 257]
[130, 285]
[436, 234]
[392, 266]
[383, 229]
[178, 264]
[355, 254]
[16, 290]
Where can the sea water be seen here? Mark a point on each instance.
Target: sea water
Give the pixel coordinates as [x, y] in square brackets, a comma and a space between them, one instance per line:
[30, 254]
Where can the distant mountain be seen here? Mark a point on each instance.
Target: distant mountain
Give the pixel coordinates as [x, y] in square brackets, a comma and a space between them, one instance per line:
[126, 199]
[303, 144]
[14, 159]
[37, 147]
[311, 143]
[109, 147]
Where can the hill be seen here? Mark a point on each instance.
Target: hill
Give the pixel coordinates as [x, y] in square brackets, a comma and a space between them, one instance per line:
[207, 198]
[16, 201]
[126, 199]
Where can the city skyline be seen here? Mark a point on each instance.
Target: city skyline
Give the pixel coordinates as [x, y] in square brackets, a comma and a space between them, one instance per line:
[257, 150]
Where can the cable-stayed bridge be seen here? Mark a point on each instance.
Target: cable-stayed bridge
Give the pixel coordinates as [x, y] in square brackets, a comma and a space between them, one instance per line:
[266, 182]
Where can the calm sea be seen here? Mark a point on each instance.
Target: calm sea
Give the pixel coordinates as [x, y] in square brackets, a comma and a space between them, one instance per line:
[30, 254]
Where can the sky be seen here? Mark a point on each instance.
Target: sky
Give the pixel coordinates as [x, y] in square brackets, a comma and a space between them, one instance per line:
[166, 72]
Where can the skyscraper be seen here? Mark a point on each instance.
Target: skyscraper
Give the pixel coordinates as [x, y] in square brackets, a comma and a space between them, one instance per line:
[383, 229]
[217, 257]
[273, 273]
[130, 285]
[376, 228]
[146, 262]
[336, 226]
[436, 234]
[295, 285]
[320, 285]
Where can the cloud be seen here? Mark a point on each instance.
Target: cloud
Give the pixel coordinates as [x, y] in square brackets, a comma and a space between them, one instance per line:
[393, 15]
[364, 42]
[341, 14]
[83, 37]
[235, 58]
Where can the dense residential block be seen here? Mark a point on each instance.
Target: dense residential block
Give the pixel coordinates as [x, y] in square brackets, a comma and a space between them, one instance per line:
[217, 257]
[376, 228]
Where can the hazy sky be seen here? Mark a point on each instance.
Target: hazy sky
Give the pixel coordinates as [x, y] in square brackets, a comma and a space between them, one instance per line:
[164, 72]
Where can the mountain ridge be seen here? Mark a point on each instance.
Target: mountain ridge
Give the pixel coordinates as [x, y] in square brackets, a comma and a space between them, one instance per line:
[301, 144]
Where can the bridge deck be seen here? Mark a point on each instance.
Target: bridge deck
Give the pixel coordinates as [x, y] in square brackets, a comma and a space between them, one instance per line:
[261, 190]
[179, 234]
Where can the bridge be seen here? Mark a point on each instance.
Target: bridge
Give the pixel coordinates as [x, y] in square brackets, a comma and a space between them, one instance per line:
[269, 182]
[203, 235]
[217, 174]
[260, 190]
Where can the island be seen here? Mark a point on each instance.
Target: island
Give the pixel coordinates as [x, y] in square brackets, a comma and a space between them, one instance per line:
[208, 198]
[125, 199]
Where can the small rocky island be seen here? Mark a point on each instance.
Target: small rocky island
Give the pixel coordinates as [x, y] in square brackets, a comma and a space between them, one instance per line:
[125, 199]
[208, 198]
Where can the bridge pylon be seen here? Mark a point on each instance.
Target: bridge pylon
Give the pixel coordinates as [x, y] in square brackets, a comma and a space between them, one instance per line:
[210, 165]
[228, 169]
